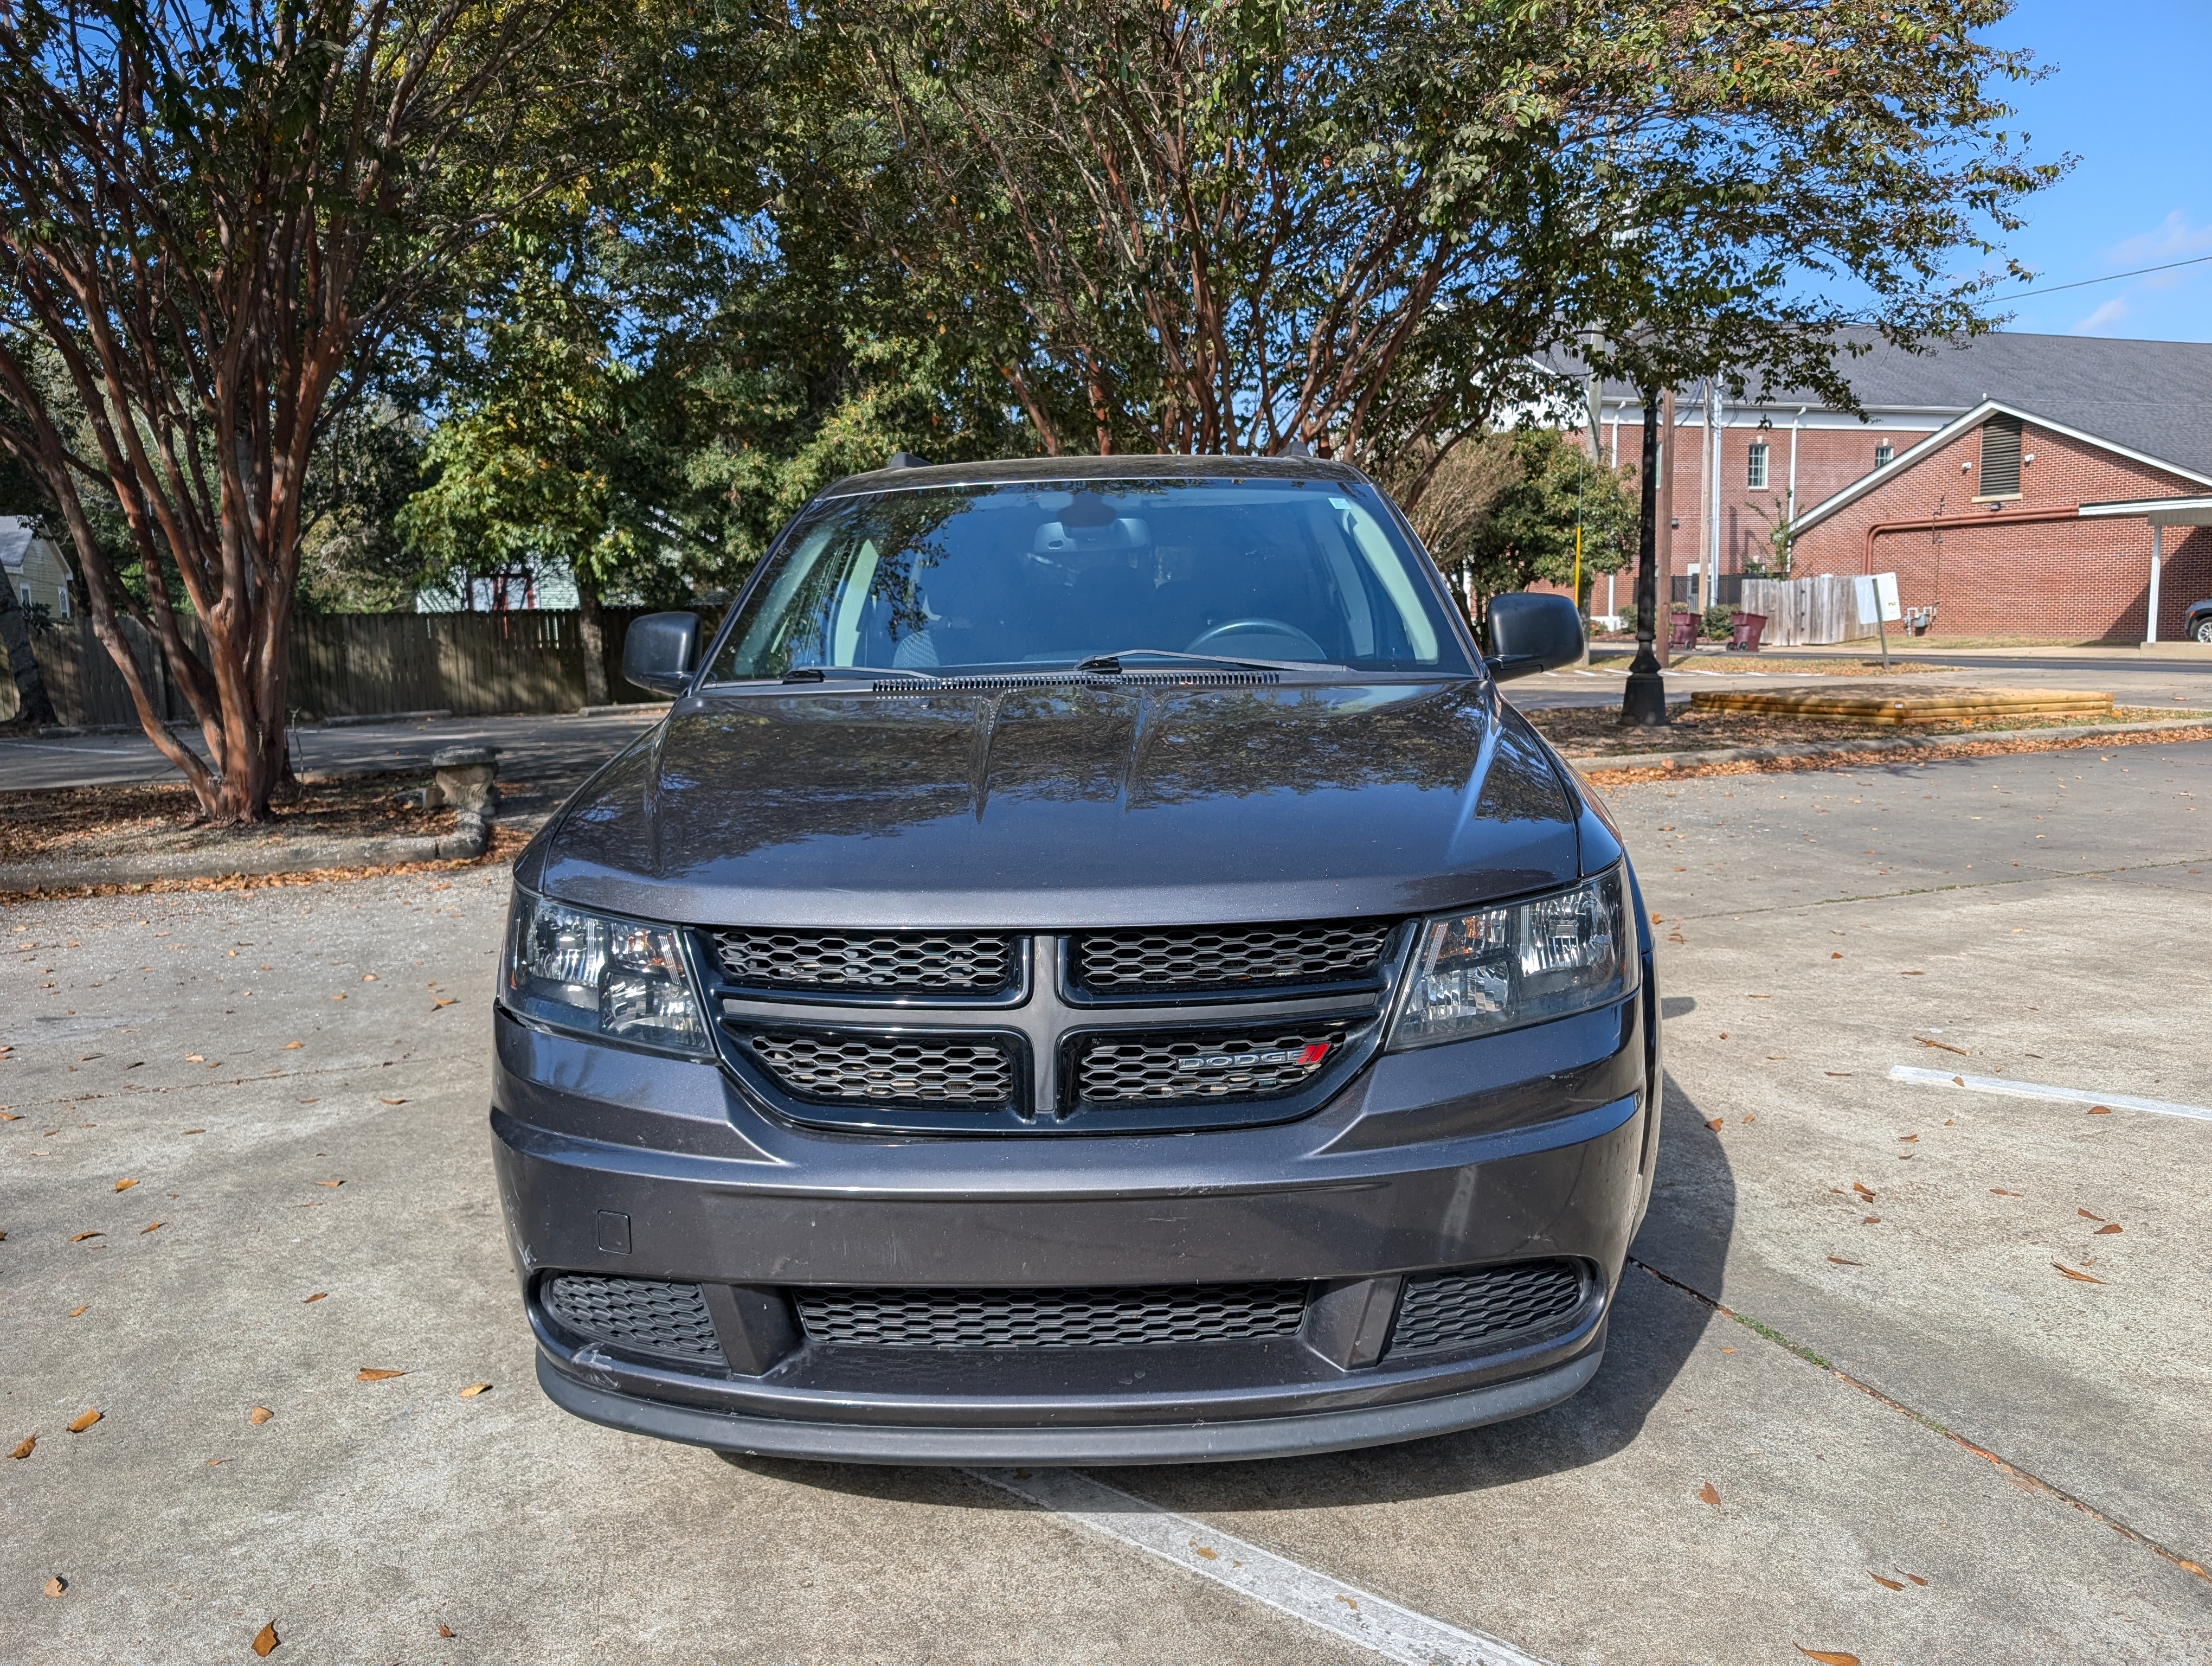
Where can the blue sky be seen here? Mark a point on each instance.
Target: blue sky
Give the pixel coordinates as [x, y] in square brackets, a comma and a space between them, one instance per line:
[2127, 98]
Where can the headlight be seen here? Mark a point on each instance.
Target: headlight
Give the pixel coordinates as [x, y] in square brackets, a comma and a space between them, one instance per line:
[602, 975]
[1518, 964]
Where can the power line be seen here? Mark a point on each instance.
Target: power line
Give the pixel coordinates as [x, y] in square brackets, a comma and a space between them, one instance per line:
[2112, 277]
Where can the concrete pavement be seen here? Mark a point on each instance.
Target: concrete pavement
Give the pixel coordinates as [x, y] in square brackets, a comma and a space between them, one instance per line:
[363, 1515]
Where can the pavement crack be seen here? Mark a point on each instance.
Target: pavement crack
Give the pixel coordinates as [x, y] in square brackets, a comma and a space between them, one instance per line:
[2026, 1478]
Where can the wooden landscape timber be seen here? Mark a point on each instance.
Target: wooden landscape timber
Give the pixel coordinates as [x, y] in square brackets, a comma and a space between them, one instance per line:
[1894, 707]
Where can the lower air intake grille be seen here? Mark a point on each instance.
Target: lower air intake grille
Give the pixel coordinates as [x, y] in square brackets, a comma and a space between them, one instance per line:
[641, 1315]
[941, 1070]
[880, 963]
[1228, 956]
[1439, 1310]
[1078, 1318]
[1249, 1064]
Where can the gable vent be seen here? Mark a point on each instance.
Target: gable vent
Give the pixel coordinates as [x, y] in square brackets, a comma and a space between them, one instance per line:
[2000, 476]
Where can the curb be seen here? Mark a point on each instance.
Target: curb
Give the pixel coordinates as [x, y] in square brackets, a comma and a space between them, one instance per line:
[1875, 745]
[469, 839]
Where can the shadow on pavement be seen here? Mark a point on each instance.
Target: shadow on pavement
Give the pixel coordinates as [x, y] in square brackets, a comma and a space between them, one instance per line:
[1651, 1333]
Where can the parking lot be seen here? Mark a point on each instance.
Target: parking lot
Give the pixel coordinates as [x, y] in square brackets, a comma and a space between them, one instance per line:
[1899, 1369]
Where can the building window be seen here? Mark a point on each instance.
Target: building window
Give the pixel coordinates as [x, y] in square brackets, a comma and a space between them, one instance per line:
[1755, 474]
[2000, 476]
[1884, 455]
[63, 593]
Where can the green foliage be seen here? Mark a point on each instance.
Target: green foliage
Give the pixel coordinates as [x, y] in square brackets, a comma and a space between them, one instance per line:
[1532, 488]
[1718, 624]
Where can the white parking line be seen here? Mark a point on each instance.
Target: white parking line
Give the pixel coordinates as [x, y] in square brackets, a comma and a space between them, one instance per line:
[1906, 1072]
[1356, 1615]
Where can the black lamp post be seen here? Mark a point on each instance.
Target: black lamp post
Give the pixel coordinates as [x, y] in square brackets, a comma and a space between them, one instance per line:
[1643, 705]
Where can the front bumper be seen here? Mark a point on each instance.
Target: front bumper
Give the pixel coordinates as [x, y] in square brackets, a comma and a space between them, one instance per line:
[1532, 1146]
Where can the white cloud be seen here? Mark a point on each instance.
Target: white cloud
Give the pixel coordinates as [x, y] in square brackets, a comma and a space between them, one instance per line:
[2174, 240]
[2104, 318]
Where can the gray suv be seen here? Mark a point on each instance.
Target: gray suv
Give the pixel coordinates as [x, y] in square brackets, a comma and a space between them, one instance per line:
[1089, 970]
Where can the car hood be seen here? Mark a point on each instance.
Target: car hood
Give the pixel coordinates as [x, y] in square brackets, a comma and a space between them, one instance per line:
[1064, 805]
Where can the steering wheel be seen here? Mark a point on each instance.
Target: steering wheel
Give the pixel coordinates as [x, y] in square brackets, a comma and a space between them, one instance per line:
[1225, 638]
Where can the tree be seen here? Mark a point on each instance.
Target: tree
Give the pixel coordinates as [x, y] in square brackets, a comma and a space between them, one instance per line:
[216, 218]
[1229, 226]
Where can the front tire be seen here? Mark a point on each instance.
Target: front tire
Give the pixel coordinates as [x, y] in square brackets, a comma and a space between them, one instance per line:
[2203, 631]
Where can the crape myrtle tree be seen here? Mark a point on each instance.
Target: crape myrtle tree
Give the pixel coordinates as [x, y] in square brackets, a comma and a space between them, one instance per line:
[216, 218]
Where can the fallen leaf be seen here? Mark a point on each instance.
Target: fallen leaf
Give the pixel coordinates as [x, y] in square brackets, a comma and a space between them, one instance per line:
[1835, 1073]
[1710, 1494]
[74, 1312]
[2085, 1215]
[2067, 1271]
[81, 1237]
[2100, 1110]
[371, 1374]
[1871, 1220]
[444, 1630]
[368, 977]
[24, 1451]
[1946, 1046]
[1886, 1585]
[1715, 1124]
[56, 1586]
[150, 1226]
[1915, 1577]
[1654, 919]
[12, 1116]
[1835, 954]
[1198, 1549]
[1723, 1035]
[1906, 1138]
[1912, 974]
[289, 1046]
[1861, 1188]
[124, 1185]
[2107, 1231]
[260, 1414]
[338, 997]
[331, 1182]
[1826, 1656]
[474, 1389]
[395, 1102]
[195, 1058]
[1840, 1261]
[84, 1421]
[266, 1639]
[1999, 1191]
[312, 1299]
[195, 1130]
[1957, 1081]
[1751, 1117]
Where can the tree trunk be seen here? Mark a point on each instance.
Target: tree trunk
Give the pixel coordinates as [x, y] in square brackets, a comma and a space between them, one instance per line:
[595, 641]
[34, 706]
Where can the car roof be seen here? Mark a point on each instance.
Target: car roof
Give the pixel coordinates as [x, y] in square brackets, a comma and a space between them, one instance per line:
[1024, 470]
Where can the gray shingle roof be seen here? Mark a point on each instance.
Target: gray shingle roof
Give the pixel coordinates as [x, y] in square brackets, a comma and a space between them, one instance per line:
[2152, 396]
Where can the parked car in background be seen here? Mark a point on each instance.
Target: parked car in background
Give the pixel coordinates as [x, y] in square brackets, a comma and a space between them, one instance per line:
[1090, 970]
[2197, 625]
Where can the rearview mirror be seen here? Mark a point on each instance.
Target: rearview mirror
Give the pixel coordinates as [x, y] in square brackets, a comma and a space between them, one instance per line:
[1531, 633]
[657, 649]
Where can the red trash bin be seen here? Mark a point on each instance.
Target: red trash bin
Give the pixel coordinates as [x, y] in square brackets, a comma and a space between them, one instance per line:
[1747, 626]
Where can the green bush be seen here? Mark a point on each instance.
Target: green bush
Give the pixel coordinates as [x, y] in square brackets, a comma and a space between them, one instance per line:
[1719, 623]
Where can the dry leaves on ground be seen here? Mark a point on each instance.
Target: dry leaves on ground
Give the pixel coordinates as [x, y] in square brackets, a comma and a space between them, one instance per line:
[373, 1374]
[84, 1421]
[260, 1414]
[150, 1226]
[55, 1586]
[79, 1238]
[2100, 1110]
[444, 1630]
[395, 1102]
[474, 1389]
[1840, 1261]
[82, 1307]
[1715, 1124]
[1710, 1494]
[317, 1297]
[29, 1444]
[124, 1185]
[2080, 1278]
[1826, 1656]
[1886, 1585]
[1861, 1188]
[266, 1639]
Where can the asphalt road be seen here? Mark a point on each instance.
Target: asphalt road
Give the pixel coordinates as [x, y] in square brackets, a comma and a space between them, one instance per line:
[2006, 1468]
[561, 745]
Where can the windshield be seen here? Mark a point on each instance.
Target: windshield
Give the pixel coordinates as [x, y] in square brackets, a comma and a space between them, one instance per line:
[1042, 576]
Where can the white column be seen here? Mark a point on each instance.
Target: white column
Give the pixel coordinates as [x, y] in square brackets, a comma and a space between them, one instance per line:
[2157, 561]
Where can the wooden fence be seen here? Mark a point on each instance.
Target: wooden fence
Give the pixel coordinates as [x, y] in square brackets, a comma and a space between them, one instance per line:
[359, 664]
[1821, 609]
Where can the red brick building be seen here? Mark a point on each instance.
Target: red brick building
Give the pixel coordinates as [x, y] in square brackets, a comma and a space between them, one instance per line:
[1967, 477]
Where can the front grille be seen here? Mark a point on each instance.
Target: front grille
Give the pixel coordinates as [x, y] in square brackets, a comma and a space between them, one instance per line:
[642, 1315]
[943, 1069]
[1227, 957]
[1198, 1065]
[1440, 1310]
[1073, 1318]
[880, 963]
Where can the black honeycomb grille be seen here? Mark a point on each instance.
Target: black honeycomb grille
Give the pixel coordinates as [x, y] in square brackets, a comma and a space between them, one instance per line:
[641, 1315]
[1249, 1064]
[880, 963]
[1228, 956]
[1440, 1310]
[1071, 1318]
[941, 1069]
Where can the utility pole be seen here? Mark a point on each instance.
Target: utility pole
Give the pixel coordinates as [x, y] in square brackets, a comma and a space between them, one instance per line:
[1666, 528]
[1644, 704]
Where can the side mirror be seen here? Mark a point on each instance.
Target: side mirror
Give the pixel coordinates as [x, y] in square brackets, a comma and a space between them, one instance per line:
[657, 649]
[1531, 633]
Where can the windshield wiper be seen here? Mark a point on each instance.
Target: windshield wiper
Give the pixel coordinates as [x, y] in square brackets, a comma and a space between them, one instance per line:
[819, 673]
[1107, 663]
